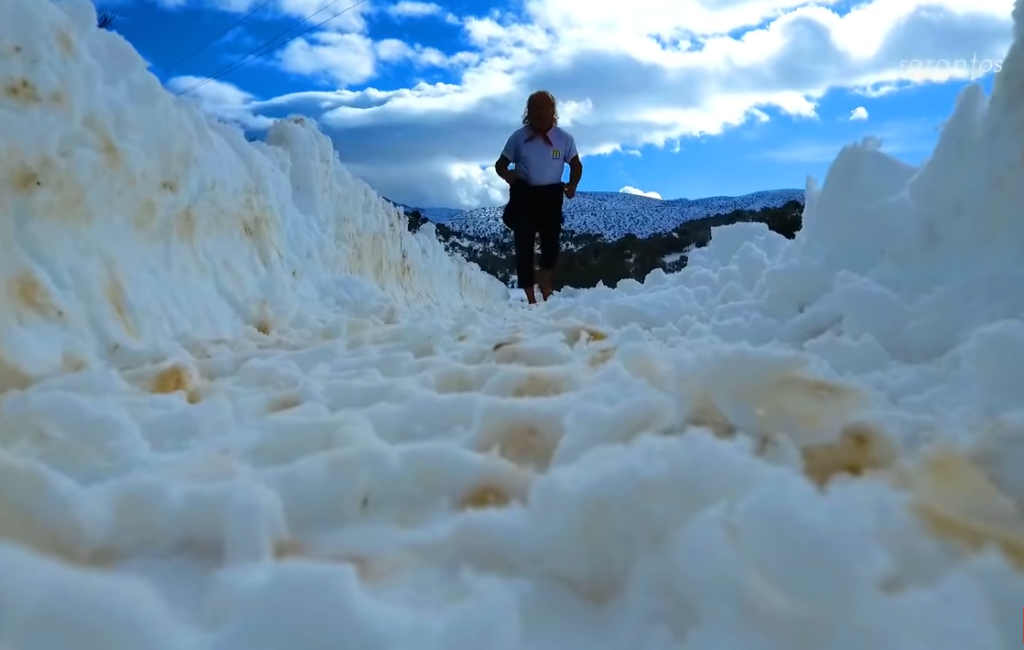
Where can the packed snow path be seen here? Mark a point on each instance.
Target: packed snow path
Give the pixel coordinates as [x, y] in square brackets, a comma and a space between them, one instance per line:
[241, 408]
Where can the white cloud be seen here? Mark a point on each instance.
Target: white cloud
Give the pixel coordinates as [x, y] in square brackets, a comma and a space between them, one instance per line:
[392, 50]
[633, 190]
[412, 9]
[219, 98]
[660, 72]
[859, 113]
[346, 58]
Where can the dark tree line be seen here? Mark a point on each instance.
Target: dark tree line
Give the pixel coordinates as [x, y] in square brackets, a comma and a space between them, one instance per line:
[589, 259]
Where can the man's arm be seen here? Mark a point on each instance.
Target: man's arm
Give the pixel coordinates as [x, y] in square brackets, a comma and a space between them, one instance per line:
[508, 155]
[575, 171]
[575, 165]
[502, 170]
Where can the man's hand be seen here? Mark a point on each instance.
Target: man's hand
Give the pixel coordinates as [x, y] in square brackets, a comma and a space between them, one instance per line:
[570, 191]
[509, 176]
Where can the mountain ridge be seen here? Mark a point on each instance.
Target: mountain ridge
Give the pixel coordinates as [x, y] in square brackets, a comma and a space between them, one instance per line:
[590, 259]
[614, 215]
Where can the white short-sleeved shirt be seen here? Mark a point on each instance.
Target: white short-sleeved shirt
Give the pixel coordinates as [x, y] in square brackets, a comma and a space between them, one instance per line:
[536, 161]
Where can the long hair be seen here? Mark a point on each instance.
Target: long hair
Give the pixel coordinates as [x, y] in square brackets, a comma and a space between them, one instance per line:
[539, 93]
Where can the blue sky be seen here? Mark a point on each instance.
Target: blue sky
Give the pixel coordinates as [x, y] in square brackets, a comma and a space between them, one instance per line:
[785, 117]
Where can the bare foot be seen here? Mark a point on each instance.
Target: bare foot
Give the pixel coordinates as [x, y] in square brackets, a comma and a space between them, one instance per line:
[545, 285]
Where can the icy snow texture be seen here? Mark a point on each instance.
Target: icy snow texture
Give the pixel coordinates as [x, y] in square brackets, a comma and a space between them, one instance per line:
[242, 409]
[130, 219]
[616, 214]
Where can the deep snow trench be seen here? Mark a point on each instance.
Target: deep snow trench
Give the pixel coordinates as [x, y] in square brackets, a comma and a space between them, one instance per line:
[241, 408]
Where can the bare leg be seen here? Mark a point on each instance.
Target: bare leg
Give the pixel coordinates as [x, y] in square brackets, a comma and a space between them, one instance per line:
[545, 283]
[524, 242]
[531, 296]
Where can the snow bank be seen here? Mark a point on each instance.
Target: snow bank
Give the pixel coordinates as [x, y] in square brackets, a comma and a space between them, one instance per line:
[130, 218]
[905, 281]
[274, 424]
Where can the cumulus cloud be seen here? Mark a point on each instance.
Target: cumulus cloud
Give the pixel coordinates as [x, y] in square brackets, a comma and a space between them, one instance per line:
[220, 98]
[413, 9]
[859, 113]
[663, 71]
[392, 50]
[633, 190]
[344, 58]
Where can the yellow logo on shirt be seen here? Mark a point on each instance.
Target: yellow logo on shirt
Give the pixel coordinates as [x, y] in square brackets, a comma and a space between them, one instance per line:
[555, 153]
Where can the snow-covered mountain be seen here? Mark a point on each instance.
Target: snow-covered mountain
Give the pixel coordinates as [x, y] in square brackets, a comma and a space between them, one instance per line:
[616, 214]
[588, 259]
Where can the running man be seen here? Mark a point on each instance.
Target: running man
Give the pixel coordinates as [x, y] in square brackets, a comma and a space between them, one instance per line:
[539, 150]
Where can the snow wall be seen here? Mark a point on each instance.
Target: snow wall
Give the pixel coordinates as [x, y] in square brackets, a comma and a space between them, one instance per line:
[130, 218]
[135, 230]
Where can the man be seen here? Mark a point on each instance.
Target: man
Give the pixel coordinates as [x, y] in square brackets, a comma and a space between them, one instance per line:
[540, 151]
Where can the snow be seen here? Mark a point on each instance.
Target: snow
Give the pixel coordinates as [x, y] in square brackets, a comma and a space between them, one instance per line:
[632, 190]
[242, 408]
[615, 214]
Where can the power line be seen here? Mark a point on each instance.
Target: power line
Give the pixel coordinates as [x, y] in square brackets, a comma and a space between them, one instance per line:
[218, 36]
[240, 62]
